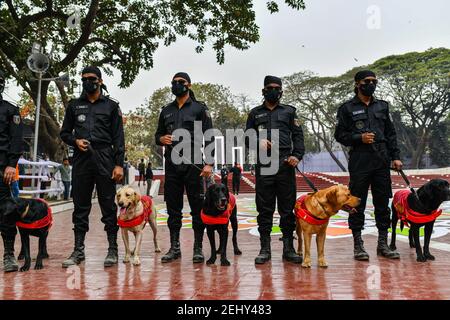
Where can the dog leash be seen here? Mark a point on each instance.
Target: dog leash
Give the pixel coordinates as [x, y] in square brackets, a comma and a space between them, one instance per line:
[308, 182]
[405, 178]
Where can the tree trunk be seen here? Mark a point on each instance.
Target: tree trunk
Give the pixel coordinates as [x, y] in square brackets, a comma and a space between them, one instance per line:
[49, 130]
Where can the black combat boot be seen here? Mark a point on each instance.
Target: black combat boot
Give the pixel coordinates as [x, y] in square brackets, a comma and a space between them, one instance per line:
[198, 256]
[9, 261]
[112, 256]
[78, 251]
[359, 251]
[174, 251]
[383, 248]
[264, 253]
[289, 253]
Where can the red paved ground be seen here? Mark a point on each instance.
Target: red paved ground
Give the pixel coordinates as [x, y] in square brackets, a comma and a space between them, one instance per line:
[344, 279]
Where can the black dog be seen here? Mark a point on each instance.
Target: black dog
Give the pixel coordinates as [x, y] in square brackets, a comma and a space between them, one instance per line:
[33, 217]
[425, 202]
[218, 210]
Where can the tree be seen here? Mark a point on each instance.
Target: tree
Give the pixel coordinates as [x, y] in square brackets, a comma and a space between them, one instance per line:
[316, 98]
[122, 34]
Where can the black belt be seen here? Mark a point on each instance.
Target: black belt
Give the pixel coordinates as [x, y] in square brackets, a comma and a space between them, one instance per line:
[373, 147]
[100, 145]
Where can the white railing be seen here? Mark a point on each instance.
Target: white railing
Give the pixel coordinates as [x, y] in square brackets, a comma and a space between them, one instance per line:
[38, 174]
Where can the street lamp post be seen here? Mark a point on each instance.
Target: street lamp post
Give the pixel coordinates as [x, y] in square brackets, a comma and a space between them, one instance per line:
[37, 117]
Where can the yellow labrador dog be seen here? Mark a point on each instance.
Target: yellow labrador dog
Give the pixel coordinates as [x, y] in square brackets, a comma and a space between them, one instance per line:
[134, 212]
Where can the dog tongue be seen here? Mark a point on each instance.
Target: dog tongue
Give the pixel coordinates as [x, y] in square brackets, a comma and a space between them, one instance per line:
[123, 210]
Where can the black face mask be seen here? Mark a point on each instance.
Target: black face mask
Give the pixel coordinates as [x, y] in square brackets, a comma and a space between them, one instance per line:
[179, 89]
[368, 89]
[272, 96]
[90, 87]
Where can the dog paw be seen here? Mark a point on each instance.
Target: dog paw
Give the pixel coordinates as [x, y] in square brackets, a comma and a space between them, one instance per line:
[237, 252]
[306, 264]
[421, 259]
[39, 265]
[25, 267]
[211, 261]
[429, 256]
[136, 261]
[225, 263]
[126, 259]
[157, 250]
[323, 264]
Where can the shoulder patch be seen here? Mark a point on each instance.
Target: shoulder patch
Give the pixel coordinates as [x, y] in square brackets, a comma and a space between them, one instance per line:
[16, 119]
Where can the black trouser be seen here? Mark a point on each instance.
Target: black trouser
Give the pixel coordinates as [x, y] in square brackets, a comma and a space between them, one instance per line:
[236, 184]
[280, 188]
[5, 193]
[370, 169]
[89, 170]
[141, 177]
[177, 179]
[224, 181]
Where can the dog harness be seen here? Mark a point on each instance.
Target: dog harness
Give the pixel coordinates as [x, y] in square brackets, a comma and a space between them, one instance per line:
[41, 223]
[147, 203]
[302, 213]
[406, 214]
[222, 218]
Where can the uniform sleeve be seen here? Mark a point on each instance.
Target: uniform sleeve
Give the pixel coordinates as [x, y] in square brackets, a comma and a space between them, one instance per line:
[16, 136]
[343, 132]
[160, 131]
[297, 139]
[67, 128]
[391, 137]
[206, 125]
[118, 136]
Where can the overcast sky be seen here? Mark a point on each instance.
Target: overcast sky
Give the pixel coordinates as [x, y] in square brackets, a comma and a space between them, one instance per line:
[325, 38]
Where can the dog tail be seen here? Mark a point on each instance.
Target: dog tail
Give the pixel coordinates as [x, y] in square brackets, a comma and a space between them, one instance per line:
[402, 224]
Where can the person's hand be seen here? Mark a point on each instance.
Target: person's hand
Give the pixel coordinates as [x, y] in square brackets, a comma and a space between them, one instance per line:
[265, 144]
[166, 140]
[397, 165]
[368, 137]
[206, 171]
[117, 174]
[292, 161]
[82, 144]
[8, 175]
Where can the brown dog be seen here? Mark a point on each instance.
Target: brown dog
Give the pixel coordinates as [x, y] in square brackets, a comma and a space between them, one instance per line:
[313, 212]
[135, 211]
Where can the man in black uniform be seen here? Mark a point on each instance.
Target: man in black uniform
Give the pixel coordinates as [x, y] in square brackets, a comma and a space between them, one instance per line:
[365, 126]
[93, 126]
[224, 175]
[279, 187]
[237, 176]
[181, 114]
[11, 146]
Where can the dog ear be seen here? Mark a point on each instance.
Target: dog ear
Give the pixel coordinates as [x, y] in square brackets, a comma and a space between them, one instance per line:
[332, 196]
[137, 197]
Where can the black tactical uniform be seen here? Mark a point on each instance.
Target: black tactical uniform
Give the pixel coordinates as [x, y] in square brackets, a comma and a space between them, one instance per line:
[369, 164]
[279, 187]
[183, 176]
[224, 175]
[101, 124]
[11, 146]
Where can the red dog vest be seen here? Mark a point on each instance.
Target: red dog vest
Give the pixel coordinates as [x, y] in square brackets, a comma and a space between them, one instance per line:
[302, 213]
[222, 218]
[147, 203]
[41, 223]
[405, 213]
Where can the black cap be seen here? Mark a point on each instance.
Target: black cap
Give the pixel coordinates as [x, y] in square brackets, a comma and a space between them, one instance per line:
[183, 75]
[271, 79]
[92, 69]
[364, 74]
